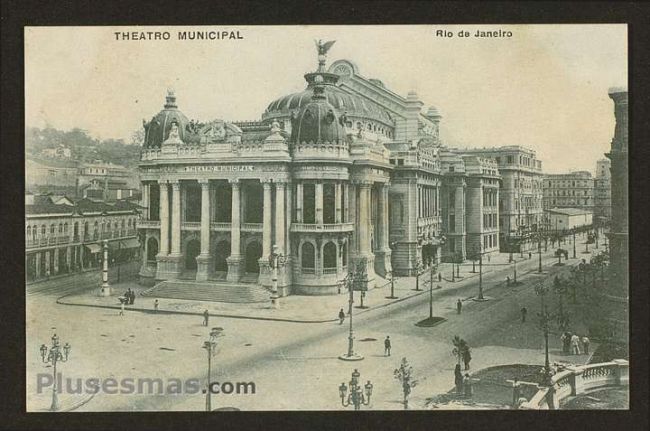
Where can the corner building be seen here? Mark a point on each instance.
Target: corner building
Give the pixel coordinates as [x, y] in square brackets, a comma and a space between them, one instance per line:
[345, 171]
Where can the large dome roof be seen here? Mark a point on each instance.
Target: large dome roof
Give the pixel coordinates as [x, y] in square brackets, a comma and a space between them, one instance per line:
[317, 121]
[157, 130]
[355, 106]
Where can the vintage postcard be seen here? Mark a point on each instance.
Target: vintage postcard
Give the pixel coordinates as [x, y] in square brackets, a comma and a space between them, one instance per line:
[420, 217]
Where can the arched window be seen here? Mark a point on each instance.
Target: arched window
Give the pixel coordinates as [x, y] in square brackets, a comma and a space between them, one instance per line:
[43, 230]
[308, 258]
[60, 227]
[52, 229]
[329, 256]
[123, 223]
[129, 224]
[65, 227]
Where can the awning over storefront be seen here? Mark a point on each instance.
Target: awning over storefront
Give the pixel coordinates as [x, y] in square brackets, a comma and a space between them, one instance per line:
[94, 248]
[130, 243]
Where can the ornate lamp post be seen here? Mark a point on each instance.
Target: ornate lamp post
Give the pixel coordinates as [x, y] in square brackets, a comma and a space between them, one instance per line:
[53, 357]
[355, 280]
[276, 259]
[106, 288]
[356, 397]
[211, 348]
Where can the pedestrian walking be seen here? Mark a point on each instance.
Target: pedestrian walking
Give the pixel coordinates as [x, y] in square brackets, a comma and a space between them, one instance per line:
[524, 312]
[206, 317]
[439, 277]
[575, 344]
[387, 346]
[47, 273]
[122, 308]
[566, 340]
[467, 385]
[341, 316]
[508, 281]
[155, 306]
[585, 345]
[459, 307]
[467, 357]
[458, 379]
[132, 297]
[530, 255]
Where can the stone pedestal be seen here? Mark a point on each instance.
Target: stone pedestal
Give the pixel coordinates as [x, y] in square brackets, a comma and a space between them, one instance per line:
[168, 267]
[234, 268]
[383, 262]
[203, 267]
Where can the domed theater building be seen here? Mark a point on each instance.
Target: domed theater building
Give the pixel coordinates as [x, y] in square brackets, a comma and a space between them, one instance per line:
[343, 172]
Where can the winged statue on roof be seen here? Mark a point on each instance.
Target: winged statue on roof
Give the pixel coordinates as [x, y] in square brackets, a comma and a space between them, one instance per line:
[323, 47]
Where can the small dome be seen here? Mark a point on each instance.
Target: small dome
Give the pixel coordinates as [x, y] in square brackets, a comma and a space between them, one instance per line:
[317, 121]
[157, 130]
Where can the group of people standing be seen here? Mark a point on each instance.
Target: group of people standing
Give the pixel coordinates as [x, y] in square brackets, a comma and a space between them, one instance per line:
[571, 344]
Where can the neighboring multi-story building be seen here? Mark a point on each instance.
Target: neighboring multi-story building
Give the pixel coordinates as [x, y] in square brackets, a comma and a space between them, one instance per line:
[603, 193]
[520, 194]
[571, 190]
[470, 205]
[63, 235]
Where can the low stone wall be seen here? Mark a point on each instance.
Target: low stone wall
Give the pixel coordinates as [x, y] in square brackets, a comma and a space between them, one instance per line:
[578, 380]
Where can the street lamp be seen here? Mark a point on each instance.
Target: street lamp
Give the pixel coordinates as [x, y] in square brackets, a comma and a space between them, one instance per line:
[355, 280]
[276, 259]
[53, 357]
[356, 396]
[392, 279]
[211, 348]
[418, 270]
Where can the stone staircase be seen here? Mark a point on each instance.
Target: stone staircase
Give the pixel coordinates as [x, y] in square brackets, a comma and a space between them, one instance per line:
[209, 291]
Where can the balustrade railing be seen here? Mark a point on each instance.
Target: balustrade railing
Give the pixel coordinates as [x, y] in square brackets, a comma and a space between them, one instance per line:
[312, 227]
[220, 225]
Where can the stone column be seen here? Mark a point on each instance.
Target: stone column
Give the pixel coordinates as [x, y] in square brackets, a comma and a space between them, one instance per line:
[279, 216]
[145, 201]
[203, 259]
[68, 259]
[346, 203]
[365, 226]
[176, 219]
[337, 202]
[56, 261]
[234, 260]
[319, 202]
[164, 219]
[353, 217]
[38, 264]
[384, 251]
[299, 202]
[267, 227]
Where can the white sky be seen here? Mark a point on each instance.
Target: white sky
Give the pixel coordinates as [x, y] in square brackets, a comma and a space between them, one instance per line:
[544, 88]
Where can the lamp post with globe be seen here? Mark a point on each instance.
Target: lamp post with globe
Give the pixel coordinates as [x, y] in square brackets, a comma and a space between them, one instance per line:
[357, 395]
[54, 356]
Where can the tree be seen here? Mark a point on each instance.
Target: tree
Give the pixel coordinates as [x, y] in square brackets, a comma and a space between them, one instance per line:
[460, 346]
[405, 375]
